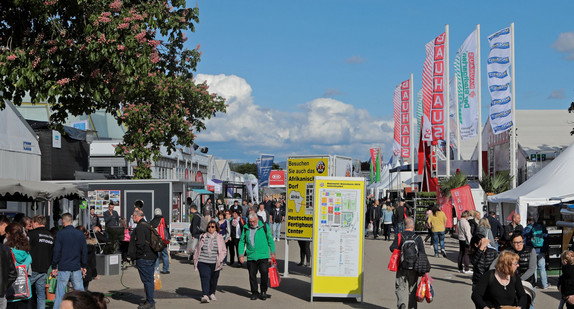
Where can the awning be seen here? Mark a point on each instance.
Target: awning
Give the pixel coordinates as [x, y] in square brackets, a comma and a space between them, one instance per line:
[37, 190]
[202, 191]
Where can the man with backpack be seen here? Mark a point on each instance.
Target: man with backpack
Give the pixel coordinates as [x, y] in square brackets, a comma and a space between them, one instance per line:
[158, 222]
[535, 235]
[412, 249]
[144, 256]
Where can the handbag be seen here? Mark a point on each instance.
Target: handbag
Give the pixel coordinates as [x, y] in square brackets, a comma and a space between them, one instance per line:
[274, 278]
[422, 289]
[395, 257]
[370, 227]
[430, 291]
[20, 289]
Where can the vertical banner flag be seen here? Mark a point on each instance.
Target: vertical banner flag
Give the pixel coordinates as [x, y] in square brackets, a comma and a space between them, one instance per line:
[498, 71]
[378, 166]
[419, 115]
[462, 199]
[405, 119]
[266, 163]
[465, 66]
[374, 158]
[433, 90]
[397, 118]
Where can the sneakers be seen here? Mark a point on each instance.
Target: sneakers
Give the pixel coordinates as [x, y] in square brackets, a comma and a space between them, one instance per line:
[467, 272]
[547, 287]
[146, 305]
[254, 296]
[212, 297]
[443, 252]
[204, 299]
[436, 255]
[263, 296]
[164, 272]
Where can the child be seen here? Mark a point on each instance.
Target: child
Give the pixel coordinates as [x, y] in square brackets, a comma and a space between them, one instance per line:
[566, 280]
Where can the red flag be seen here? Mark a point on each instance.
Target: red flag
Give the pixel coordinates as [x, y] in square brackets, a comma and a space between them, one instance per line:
[462, 199]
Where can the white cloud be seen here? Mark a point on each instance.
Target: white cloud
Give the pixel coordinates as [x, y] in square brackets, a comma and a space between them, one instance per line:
[355, 59]
[565, 44]
[321, 126]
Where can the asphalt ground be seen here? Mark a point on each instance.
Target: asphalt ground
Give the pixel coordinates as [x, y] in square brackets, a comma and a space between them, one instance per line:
[181, 288]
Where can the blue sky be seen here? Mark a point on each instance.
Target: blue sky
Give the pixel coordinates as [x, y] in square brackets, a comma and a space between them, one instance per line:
[317, 76]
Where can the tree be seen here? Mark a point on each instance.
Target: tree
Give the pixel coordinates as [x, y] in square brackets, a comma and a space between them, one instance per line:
[244, 168]
[125, 57]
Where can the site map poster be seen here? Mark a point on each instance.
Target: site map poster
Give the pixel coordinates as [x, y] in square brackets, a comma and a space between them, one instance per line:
[338, 236]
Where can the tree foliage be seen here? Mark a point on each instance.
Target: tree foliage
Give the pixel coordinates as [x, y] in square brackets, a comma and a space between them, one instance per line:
[454, 181]
[125, 57]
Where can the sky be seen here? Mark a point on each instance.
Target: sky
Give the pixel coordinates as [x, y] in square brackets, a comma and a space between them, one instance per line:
[315, 77]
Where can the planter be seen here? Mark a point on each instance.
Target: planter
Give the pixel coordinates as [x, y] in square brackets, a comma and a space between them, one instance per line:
[49, 296]
[108, 264]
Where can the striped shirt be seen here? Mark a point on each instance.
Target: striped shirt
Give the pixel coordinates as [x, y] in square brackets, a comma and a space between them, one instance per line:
[205, 255]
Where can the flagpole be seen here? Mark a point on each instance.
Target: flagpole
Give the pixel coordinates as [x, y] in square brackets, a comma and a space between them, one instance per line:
[479, 96]
[412, 109]
[513, 110]
[446, 100]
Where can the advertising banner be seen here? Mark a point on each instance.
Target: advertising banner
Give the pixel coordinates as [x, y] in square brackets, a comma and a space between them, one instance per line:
[465, 66]
[397, 118]
[277, 179]
[265, 166]
[405, 119]
[338, 237]
[300, 177]
[433, 90]
[100, 200]
[462, 199]
[499, 79]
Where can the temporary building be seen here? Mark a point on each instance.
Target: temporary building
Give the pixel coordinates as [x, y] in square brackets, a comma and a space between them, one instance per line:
[551, 185]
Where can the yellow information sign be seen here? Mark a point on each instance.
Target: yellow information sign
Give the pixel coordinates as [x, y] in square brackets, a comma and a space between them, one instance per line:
[338, 235]
[300, 175]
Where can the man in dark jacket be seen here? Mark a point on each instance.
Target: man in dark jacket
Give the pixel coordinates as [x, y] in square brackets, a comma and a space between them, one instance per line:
[158, 220]
[70, 258]
[495, 228]
[235, 207]
[375, 218]
[8, 272]
[41, 250]
[406, 279]
[402, 212]
[144, 257]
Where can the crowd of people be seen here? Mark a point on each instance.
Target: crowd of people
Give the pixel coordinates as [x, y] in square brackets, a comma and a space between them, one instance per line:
[507, 262]
[30, 254]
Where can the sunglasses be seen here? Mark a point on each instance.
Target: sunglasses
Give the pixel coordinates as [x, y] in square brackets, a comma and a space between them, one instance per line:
[211, 226]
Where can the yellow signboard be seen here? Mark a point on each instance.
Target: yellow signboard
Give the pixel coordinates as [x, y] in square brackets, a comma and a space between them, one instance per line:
[338, 235]
[300, 175]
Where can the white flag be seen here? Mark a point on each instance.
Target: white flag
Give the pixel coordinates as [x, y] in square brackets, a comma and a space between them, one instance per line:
[498, 70]
[465, 67]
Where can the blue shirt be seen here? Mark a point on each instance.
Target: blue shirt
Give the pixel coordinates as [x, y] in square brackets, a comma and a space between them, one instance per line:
[70, 250]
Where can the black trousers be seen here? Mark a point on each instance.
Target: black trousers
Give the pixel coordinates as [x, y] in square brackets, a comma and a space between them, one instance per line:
[261, 266]
[376, 225]
[304, 251]
[233, 249]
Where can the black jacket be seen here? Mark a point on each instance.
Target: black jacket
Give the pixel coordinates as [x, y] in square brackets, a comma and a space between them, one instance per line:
[566, 280]
[481, 261]
[91, 269]
[194, 227]
[495, 227]
[140, 239]
[473, 226]
[375, 215]
[7, 269]
[277, 215]
[41, 249]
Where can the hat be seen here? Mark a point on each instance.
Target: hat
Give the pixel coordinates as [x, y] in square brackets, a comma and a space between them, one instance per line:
[157, 212]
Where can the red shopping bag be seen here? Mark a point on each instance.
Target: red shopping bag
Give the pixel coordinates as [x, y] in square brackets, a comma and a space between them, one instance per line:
[395, 257]
[422, 289]
[430, 291]
[274, 278]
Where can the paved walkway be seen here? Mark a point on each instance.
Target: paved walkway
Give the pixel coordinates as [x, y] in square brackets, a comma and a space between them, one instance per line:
[181, 288]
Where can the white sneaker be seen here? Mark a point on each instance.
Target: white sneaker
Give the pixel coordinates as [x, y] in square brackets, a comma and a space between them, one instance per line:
[212, 297]
[468, 271]
[204, 299]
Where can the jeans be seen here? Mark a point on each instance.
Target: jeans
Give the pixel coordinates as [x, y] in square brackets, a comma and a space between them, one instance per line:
[261, 266]
[208, 276]
[376, 225]
[146, 269]
[541, 258]
[277, 230]
[39, 281]
[3, 302]
[164, 256]
[63, 278]
[438, 237]
[406, 288]
[400, 227]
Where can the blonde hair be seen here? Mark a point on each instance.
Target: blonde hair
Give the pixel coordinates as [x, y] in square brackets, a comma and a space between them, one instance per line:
[567, 257]
[505, 260]
[484, 222]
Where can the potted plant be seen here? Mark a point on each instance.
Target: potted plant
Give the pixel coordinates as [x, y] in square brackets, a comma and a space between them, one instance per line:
[497, 183]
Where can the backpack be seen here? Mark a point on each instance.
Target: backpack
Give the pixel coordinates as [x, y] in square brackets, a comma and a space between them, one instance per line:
[156, 243]
[537, 238]
[409, 252]
[163, 232]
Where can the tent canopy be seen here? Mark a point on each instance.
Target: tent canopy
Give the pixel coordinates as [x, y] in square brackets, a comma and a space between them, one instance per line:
[37, 190]
[547, 187]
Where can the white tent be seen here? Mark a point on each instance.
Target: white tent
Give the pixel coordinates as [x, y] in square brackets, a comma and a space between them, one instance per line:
[547, 187]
